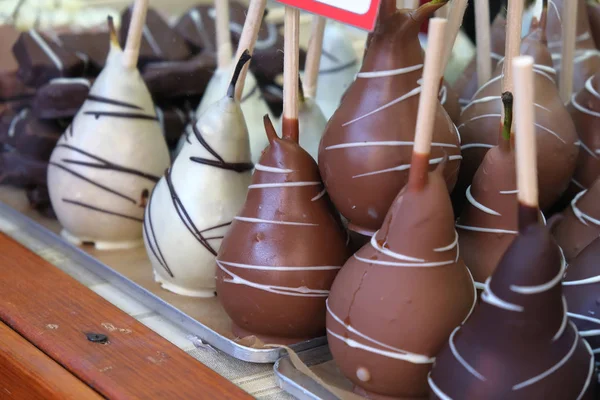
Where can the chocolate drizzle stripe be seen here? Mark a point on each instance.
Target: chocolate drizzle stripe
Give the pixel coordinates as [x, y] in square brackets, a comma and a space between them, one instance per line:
[268, 221]
[405, 167]
[436, 390]
[279, 268]
[101, 210]
[480, 206]
[460, 359]
[535, 289]
[329, 55]
[215, 227]
[404, 264]
[98, 114]
[388, 73]
[105, 164]
[390, 352]
[586, 148]
[275, 170]
[283, 184]
[583, 109]
[105, 100]
[46, 49]
[392, 143]
[495, 115]
[185, 217]
[584, 317]
[408, 95]
[580, 215]
[476, 145]
[154, 247]
[196, 17]
[283, 290]
[250, 94]
[219, 162]
[339, 68]
[320, 195]
[88, 180]
[486, 230]
[489, 297]
[565, 319]
[590, 87]
[586, 281]
[70, 130]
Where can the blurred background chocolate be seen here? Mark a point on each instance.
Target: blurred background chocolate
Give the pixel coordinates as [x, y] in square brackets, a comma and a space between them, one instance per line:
[92, 46]
[60, 98]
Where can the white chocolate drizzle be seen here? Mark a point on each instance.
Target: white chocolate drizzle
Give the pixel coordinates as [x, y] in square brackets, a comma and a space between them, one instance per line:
[493, 98]
[587, 281]
[151, 41]
[46, 49]
[586, 148]
[584, 317]
[581, 216]
[282, 184]
[410, 94]
[391, 72]
[18, 118]
[436, 390]
[480, 206]
[581, 108]
[515, 191]
[279, 268]
[495, 115]
[579, 185]
[590, 87]
[461, 360]
[486, 230]
[69, 81]
[540, 288]
[563, 324]
[489, 297]
[476, 145]
[268, 221]
[266, 168]
[404, 167]
[590, 372]
[383, 143]
[450, 246]
[321, 194]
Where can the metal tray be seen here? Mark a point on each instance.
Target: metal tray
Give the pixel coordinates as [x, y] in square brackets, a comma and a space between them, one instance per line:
[296, 383]
[158, 305]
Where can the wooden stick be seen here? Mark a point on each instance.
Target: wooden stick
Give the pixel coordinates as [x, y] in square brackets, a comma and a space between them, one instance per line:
[527, 182]
[513, 42]
[224, 47]
[134, 35]
[569, 34]
[254, 17]
[455, 19]
[428, 102]
[313, 57]
[291, 70]
[482, 30]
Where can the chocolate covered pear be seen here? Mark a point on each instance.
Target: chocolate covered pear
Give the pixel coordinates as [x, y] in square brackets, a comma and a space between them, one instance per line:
[580, 286]
[283, 250]
[581, 223]
[193, 205]
[556, 134]
[518, 344]
[587, 57]
[107, 162]
[364, 157]
[593, 11]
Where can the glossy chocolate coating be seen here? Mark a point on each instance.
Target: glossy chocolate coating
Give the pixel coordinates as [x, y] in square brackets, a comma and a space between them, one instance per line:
[467, 84]
[29, 136]
[60, 98]
[159, 41]
[587, 57]
[402, 294]
[91, 46]
[11, 87]
[39, 200]
[581, 223]
[556, 136]
[593, 10]
[40, 59]
[365, 153]
[19, 170]
[488, 223]
[518, 344]
[581, 286]
[283, 250]
[174, 79]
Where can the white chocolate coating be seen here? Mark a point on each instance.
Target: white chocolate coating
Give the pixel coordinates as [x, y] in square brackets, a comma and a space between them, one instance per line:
[193, 205]
[107, 162]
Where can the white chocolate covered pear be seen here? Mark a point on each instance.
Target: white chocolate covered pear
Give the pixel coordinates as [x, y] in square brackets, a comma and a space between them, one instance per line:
[192, 206]
[109, 159]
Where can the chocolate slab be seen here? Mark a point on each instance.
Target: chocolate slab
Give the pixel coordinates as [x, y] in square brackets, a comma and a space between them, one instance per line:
[29, 136]
[60, 98]
[159, 41]
[92, 46]
[39, 200]
[11, 87]
[20, 170]
[41, 59]
[172, 79]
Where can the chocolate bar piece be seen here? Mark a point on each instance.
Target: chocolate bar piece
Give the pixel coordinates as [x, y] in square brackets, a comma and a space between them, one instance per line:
[198, 28]
[23, 133]
[60, 98]
[20, 170]
[273, 95]
[172, 79]
[91, 46]
[173, 121]
[40, 59]
[159, 41]
[11, 87]
[39, 200]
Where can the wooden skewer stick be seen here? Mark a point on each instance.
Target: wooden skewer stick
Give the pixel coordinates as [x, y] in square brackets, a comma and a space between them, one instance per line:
[224, 47]
[313, 57]
[569, 35]
[455, 19]
[525, 139]
[428, 102]
[254, 17]
[513, 42]
[482, 30]
[291, 70]
[134, 35]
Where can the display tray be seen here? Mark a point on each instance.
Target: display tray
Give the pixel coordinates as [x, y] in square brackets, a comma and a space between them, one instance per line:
[131, 271]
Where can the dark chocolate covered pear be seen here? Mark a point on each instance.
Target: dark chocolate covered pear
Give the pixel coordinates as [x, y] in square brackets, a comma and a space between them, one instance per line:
[557, 141]
[581, 286]
[593, 10]
[364, 157]
[587, 57]
[489, 220]
[283, 250]
[518, 344]
[581, 223]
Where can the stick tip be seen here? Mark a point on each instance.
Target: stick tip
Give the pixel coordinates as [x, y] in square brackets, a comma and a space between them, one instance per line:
[244, 58]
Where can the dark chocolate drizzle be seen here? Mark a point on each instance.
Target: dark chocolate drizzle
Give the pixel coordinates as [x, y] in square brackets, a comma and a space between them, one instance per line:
[106, 100]
[155, 248]
[101, 210]
[98, 114]
[219, 162]
[105, 164]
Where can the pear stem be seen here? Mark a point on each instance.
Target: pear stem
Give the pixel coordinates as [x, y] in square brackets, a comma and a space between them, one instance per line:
[505, 129]
[291, 69]
[137, 24]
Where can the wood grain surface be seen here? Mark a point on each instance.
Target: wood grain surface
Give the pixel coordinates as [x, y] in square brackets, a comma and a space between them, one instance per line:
[28, 373]
[56, 313]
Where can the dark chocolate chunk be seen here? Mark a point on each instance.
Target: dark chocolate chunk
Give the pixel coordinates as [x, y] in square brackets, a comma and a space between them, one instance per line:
[11, 87]
[198, 29]
[172, 121]
[60, 98]
[159, 41]
[172, 79]
[40, 59]
[273, 95]
[29, 136]
[20, 170]
[39, 199]
[92, 46]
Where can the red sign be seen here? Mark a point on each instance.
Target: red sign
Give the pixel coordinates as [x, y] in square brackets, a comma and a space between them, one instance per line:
[359, 13]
